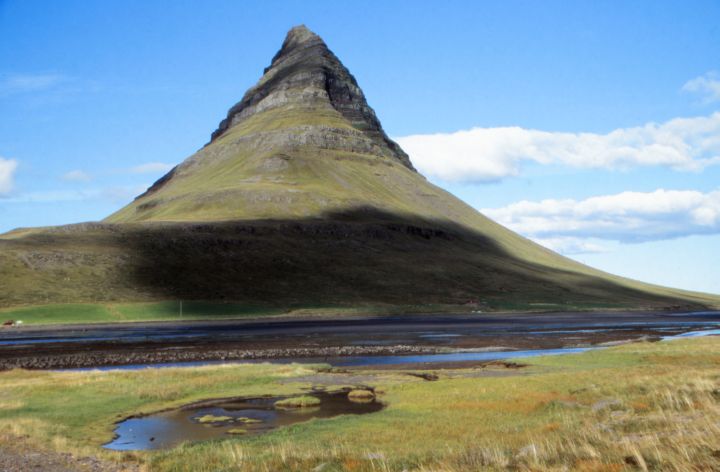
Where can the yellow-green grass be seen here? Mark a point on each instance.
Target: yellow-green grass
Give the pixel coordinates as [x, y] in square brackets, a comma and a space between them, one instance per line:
[302, 401]
[213, 419]
[645, 405]
[77, 410]
[361, 394]
[245, 420]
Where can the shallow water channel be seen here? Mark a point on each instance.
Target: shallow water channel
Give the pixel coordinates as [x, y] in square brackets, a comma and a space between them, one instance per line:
[477, 355]
[226, 418]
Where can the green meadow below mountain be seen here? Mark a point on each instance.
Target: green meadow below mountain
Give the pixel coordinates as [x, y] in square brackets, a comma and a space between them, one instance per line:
[300, 199]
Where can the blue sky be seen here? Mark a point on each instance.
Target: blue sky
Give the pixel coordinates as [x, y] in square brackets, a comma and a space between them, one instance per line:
[592, 127]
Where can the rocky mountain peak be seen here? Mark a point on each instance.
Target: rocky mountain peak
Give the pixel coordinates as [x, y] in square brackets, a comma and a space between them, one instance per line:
[299, 36]
[305, 73]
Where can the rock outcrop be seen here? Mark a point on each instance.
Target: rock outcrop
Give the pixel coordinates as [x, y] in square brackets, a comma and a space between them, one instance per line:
[306, 73]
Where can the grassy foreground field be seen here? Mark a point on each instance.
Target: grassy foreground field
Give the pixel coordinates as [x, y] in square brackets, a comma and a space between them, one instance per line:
[644, 406]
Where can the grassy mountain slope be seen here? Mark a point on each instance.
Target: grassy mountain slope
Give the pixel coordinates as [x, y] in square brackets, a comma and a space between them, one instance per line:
[350, 259]
[301, 199]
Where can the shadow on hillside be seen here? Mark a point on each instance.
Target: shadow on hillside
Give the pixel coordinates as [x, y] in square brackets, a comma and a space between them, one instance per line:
[361, 256]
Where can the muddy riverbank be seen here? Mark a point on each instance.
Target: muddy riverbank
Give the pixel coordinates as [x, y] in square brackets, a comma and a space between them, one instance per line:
[320, 339]
[183, 356]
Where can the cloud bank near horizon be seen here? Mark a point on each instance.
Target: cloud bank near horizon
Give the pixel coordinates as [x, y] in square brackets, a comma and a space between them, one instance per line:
[570, 225]
[492, 154]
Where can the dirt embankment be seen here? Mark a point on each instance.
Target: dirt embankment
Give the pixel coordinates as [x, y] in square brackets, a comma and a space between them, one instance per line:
[18, 456]
[175, 355]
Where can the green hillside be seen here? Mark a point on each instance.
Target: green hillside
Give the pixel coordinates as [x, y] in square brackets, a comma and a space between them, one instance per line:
[301, 200]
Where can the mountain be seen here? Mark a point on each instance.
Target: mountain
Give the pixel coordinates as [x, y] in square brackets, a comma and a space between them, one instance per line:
[301, 142]
[301, 199]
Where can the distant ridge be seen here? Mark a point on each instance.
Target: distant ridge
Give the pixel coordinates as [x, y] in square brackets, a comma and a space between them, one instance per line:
[300, 199]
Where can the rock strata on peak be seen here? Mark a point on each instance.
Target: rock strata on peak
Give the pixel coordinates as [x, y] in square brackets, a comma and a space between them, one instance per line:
[305, 71]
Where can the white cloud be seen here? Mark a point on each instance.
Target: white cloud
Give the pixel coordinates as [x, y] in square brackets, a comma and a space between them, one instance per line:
[116, 194]
[151, 167]
[7, 175]
[490, 154]
[571, 245]
[24, 83]
[77, 176]
[123, 194]
[625, 217]
[707, 86]
[53, 196]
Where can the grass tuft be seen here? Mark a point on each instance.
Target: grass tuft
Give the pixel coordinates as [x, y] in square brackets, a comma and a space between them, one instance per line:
[213, 419]
[304, 401]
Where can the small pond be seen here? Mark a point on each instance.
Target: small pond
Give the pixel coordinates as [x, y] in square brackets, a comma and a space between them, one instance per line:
[230, 418]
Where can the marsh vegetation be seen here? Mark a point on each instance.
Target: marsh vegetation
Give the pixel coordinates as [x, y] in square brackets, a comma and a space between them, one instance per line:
[642, 406]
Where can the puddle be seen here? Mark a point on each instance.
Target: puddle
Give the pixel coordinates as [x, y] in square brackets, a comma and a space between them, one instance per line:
[230, 418]
[439, 335]
[693, 334]
[356, 361]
